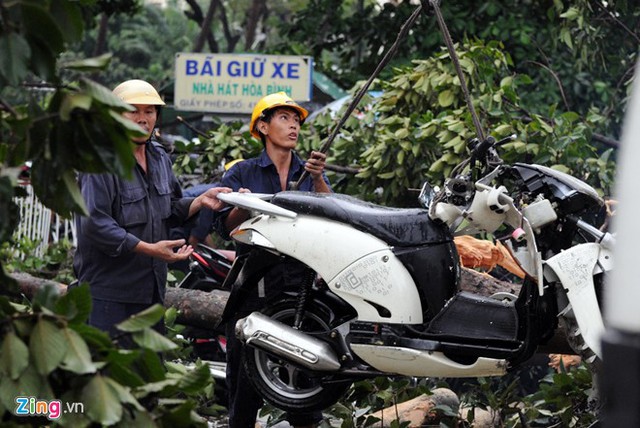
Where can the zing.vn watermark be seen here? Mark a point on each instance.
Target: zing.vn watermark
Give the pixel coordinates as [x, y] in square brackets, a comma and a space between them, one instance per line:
[31, 406]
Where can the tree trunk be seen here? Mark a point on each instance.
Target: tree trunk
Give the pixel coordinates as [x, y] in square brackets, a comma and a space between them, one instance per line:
[205, 26]
[197, 308]
[255, 12]
[204, 309]
[101, 39]
[419, 411]
[231, 39]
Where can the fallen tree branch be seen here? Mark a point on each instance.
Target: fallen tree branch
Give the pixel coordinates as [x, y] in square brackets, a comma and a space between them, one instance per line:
[204, 309]
[195, 308]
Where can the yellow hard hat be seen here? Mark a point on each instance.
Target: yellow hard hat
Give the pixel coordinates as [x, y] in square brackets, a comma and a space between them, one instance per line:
[279, 99]
[137, 91]
[228, 165]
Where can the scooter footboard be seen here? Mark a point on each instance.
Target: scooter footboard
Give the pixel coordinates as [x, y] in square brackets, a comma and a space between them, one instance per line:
[476, 317]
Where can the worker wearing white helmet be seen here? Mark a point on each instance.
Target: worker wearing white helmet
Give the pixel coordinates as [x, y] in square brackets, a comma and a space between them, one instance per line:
[123, 245]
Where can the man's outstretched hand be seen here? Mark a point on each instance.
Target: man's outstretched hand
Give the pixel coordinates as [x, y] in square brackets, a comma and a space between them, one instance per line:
[166, 250]
[209, 199]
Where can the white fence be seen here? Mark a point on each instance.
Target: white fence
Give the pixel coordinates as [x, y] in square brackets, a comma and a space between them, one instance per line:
[39, 224]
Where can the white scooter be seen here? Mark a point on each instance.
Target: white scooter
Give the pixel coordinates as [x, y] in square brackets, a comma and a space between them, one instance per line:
[378, 290]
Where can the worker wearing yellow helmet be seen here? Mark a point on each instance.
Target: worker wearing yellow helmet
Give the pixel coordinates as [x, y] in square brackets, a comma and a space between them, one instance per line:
[268, 104]
[123, 242]
[276, 121]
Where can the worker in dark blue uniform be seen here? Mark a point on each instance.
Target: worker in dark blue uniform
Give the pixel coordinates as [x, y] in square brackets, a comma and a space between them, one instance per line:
[276, 121]
[123, 246]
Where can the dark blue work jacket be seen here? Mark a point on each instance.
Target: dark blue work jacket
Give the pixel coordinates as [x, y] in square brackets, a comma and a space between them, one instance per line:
[260, 175]
[121, 214]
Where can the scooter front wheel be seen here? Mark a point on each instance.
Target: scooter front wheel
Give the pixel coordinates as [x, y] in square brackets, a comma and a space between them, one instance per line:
[286, 385]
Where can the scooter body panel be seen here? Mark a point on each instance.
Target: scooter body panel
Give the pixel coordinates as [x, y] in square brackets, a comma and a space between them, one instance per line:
[358, 267]
[575, 268]
[414, 362]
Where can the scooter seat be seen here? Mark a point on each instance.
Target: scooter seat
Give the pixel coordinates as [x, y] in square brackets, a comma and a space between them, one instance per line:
[400, 227]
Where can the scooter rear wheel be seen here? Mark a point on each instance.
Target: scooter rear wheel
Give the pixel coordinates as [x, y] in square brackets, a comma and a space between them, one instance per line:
[286, 385]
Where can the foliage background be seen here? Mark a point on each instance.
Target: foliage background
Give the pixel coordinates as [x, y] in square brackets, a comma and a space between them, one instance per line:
[555, 72]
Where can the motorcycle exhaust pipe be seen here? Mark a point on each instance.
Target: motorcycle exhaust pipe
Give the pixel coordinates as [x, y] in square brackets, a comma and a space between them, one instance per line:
[275, 337]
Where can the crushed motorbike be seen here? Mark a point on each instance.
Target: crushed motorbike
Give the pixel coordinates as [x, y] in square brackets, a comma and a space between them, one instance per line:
[383, 293]
[208, 269]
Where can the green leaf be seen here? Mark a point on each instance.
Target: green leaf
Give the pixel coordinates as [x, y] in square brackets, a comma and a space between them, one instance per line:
[73, 101]
[78, 357]
[6, 307]
[14, 58]
[503, 129]
[41, 25]
[195, 380]
[69, 178]
[170, 316]
[571, 14]
[122, 368]
[75, 304]
[561, 168]
[154, 369]
[130, 126]
[401, 133]
[29, 384]
[400, 158]
[565, 36]
[104, 95]
[89, 64]
[446, 98]
[94, 337]
[454, 142]
[43, 63]
[123, 393]
[142, 320]
[102, 403]
[182, 415]
[47, 345]
[68, 15]
[151, 339]
[570, 116]
[14, 358]
[156, 387]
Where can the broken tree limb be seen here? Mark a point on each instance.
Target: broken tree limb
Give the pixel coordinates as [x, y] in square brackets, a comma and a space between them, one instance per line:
[30, 284]
[195, 308]
[204, 309]
[419, 411]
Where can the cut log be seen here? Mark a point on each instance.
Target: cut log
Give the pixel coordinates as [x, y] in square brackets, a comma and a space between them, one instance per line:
[486, 255]
[30, 284]
[195, 308]
[418, 411]
[202, 309]
[484, 284]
